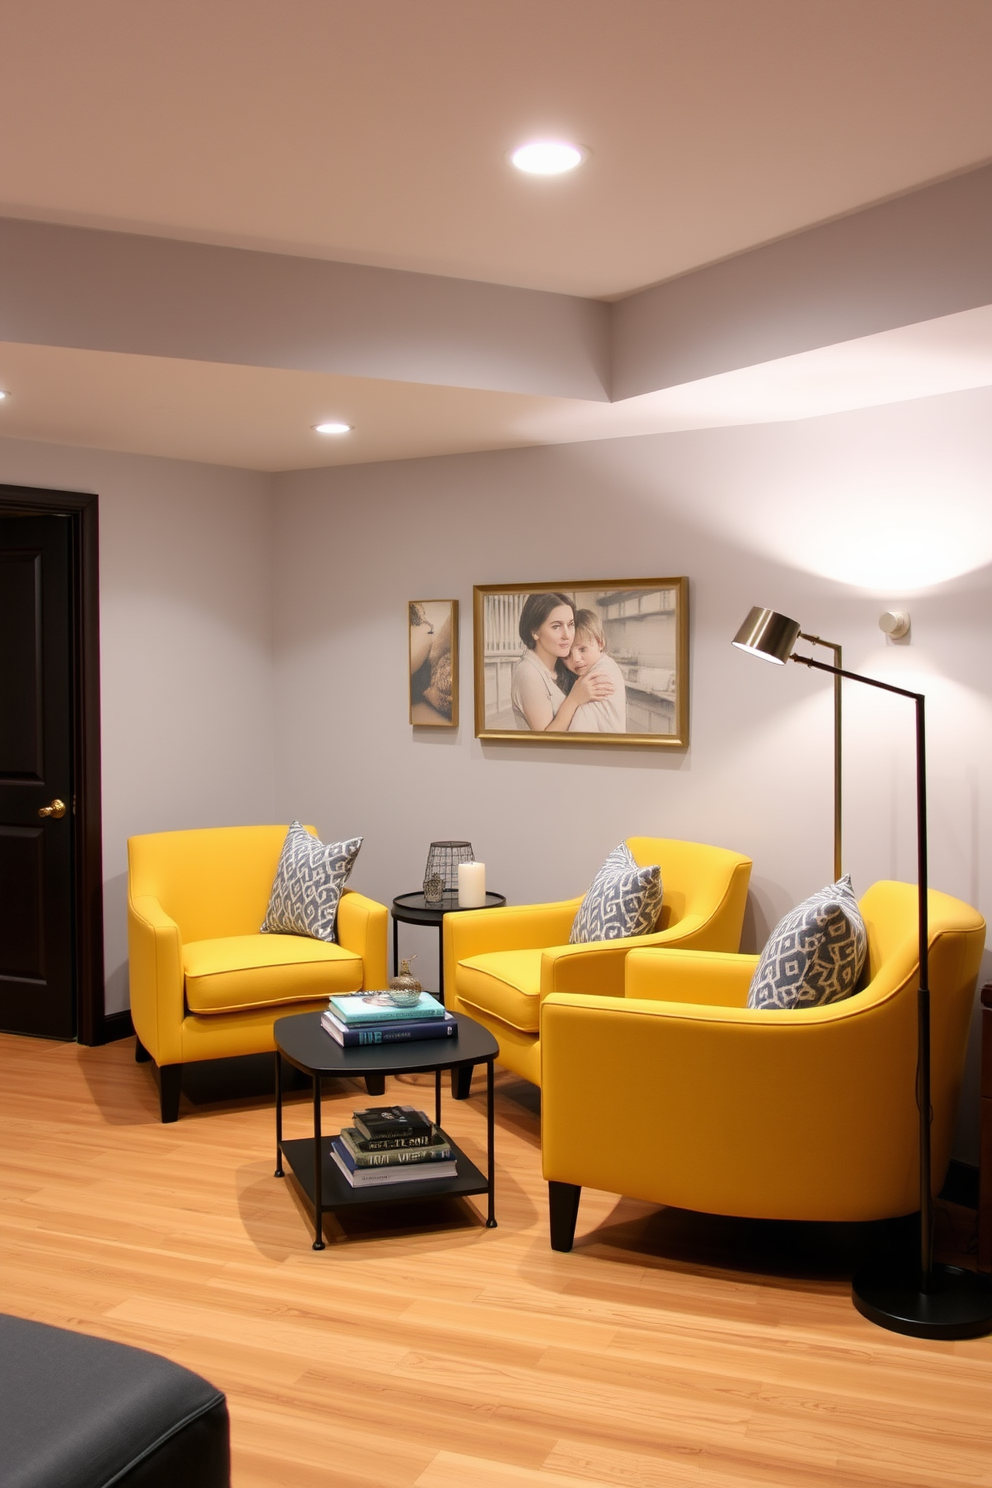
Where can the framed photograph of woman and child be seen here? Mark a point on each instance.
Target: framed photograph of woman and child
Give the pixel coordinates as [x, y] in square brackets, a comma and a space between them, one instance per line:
[600, 661]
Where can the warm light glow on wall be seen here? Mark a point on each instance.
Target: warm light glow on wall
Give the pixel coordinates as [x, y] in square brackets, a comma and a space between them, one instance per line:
[891, 502]
[894, 538]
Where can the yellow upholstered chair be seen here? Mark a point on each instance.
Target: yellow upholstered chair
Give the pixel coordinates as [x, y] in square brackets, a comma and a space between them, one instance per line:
[499, 964]
[205, 984]
[808, 1114]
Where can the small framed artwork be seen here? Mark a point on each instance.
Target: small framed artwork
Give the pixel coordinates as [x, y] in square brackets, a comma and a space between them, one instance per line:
[433, 626]
[601, 661]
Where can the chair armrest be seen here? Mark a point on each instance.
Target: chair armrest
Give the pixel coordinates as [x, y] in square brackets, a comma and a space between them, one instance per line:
[155, 973]
[362, 928]
[602, 968]
[595, 967]
[512, 927]
[716, 978]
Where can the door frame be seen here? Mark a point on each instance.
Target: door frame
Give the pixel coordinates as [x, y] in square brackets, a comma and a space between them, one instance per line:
[93, 1024]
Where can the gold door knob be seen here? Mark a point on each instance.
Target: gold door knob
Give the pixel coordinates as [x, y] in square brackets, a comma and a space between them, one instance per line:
[54, 809]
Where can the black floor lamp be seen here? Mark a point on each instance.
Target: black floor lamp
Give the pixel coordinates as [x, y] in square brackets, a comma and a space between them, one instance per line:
[926, 1300]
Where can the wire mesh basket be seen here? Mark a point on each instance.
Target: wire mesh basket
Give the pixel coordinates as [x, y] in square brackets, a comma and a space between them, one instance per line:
[442, 863]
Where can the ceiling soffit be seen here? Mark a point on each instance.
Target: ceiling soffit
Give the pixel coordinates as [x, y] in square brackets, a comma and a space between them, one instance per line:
[925, 255]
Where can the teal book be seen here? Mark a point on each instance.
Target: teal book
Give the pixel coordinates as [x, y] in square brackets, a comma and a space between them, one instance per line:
[356, 1012]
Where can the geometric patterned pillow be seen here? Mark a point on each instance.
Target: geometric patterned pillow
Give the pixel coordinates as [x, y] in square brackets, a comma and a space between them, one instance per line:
[815, 953]
[308, 884]
[623, 900]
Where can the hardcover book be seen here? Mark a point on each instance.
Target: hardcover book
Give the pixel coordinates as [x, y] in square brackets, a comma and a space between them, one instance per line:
[388, 1033]
[438, 1150]
[390, 1121]
[377, 1177]
[355, 1011]
[389, 1144]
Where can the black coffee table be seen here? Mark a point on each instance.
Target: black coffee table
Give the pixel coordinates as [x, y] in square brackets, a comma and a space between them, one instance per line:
[414, 909]
[303, 1043]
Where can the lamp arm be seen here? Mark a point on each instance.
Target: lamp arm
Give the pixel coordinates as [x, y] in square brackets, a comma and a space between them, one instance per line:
[923, 996]
[822, 666]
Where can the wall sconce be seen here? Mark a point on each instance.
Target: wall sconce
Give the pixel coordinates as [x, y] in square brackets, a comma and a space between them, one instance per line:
[895, 623]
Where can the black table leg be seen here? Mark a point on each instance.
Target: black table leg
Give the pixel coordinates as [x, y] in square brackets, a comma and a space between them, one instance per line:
[279, 1172]
[437, 1097]
[396, 948]
[440, 962]
[318, 1194]
[491, 1140]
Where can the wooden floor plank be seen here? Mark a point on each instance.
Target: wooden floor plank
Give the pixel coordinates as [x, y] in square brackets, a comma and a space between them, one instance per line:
[455, 1470]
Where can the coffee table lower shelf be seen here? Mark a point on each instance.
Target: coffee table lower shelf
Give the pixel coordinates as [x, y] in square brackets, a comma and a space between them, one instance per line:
[337, 1193]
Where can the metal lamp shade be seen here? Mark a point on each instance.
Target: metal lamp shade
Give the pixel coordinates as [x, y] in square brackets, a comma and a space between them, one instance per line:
[768, 635]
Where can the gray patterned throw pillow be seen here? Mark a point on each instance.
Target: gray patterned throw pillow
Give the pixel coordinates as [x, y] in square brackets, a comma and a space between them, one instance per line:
[308, 884]
[623, 900]
[815, 953]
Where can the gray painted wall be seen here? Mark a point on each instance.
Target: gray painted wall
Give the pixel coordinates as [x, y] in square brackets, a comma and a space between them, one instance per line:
[254, 652]
[766, 515]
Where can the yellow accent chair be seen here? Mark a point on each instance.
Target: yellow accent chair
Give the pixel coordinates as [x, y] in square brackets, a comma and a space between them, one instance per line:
[205, 984]
[500, 964]
[682, 1095]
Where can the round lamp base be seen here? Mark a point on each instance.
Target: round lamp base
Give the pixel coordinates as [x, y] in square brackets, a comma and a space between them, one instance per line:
[957, 1303]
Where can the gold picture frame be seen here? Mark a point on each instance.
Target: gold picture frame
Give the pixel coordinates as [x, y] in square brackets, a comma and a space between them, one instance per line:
[433, 662]
[629, 646]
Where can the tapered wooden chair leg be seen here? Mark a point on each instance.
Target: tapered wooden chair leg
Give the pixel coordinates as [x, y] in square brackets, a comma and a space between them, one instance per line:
[563, 1202]
[141, 1054]
[461, 1081]
[170, 1078]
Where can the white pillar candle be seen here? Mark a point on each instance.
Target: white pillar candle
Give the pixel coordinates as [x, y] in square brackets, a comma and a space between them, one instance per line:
[471, 885]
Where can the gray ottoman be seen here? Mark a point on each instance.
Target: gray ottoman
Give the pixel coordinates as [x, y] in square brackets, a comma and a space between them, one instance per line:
[79, 1412]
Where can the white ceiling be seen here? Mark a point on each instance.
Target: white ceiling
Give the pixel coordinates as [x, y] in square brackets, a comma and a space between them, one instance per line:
[375, 133]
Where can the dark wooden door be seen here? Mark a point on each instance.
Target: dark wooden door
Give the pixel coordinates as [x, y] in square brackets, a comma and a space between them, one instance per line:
[36, 777]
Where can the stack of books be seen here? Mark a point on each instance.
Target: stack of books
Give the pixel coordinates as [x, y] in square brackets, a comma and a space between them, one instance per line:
[392, 1144]
[353, 1020]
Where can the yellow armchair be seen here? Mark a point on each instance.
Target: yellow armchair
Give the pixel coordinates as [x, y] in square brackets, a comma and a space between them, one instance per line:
[807, 1114]
[205, 983]
[500, 964]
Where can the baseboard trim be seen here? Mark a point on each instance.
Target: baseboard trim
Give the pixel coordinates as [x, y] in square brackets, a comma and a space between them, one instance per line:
[113, 1026]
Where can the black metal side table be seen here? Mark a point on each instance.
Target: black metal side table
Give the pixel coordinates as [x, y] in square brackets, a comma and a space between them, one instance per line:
[302, 1042]
[414, 909]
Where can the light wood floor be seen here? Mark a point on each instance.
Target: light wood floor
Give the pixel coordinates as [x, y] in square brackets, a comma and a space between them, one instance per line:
[666, 1351]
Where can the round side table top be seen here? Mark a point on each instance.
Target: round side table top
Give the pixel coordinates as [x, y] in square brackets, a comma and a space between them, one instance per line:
[414, 909]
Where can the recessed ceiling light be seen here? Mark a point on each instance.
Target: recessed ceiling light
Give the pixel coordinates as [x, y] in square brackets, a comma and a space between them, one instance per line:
[548, 157]
[3, 395]
[333, 428]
